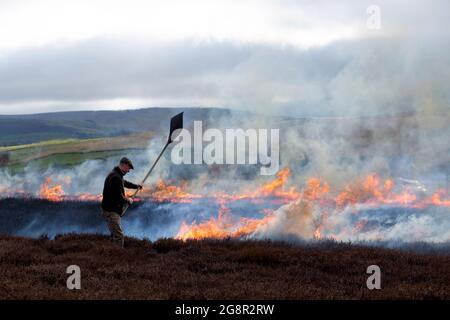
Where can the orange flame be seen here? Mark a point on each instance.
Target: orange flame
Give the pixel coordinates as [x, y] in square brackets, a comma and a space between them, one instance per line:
[221, 227]
[369, 190]
[315, 189]
[88, 197]
[52, 193]
[317, 233]
[277, 187]
[163, 192]
[272, 189]
[436, 199]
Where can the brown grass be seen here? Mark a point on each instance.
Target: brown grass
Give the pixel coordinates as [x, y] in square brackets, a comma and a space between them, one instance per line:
[209, 269]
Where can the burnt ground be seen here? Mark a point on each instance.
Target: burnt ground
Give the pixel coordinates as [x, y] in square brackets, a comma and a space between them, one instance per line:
[214, 269]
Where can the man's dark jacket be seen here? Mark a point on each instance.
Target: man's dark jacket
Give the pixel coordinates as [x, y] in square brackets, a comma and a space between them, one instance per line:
[113, 191]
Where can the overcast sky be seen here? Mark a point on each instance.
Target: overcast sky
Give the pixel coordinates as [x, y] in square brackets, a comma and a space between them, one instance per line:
[289, 56]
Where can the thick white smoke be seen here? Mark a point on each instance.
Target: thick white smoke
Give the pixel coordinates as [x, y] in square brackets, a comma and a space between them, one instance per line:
[336, 150]
[361, 223]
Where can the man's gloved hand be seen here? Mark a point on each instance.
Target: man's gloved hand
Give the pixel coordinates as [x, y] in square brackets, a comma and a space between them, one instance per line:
[130, 201]
[140, 186]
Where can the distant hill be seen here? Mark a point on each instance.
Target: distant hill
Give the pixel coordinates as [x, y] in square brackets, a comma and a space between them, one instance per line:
[24, 129]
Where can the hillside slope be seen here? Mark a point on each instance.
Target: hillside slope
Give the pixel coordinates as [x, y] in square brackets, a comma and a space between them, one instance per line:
[23, 129]
[23, 154]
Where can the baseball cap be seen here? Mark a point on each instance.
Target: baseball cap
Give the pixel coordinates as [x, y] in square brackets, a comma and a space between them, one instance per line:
[127, 161]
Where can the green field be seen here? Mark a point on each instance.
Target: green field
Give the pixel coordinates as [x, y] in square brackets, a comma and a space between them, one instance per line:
[69, 152]
[63, 160]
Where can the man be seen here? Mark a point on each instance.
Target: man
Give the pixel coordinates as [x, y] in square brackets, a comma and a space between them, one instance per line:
[114, 198]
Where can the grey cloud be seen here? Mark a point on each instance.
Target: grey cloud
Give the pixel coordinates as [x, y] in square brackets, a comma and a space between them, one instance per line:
[378, 73]
[109, 69]
[105, 69]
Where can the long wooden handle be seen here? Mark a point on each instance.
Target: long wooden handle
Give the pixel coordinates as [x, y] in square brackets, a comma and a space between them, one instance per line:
[151, 169]
[146, 176]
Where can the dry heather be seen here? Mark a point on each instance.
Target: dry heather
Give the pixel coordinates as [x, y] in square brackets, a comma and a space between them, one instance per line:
[209, 269]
